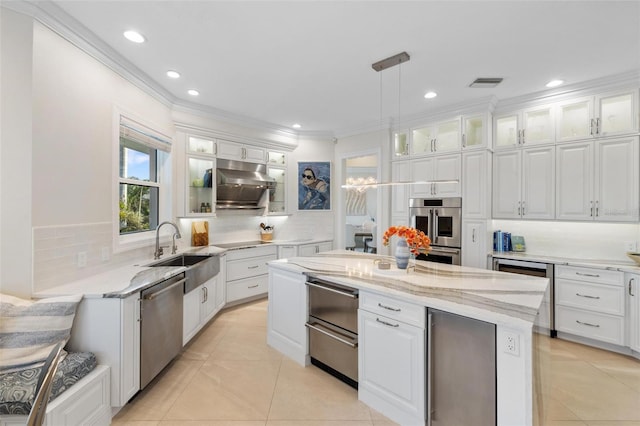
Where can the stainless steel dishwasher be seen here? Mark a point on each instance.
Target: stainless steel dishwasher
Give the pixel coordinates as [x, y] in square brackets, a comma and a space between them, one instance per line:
[333, 329]
[160, 327]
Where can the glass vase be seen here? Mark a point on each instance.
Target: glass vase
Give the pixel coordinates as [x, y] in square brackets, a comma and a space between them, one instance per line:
[402, 254]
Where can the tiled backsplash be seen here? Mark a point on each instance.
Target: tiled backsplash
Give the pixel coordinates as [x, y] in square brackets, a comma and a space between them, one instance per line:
[578, 240]
[56, 249]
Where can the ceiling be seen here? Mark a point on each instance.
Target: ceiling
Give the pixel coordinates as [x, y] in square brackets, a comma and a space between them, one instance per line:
[309, 62]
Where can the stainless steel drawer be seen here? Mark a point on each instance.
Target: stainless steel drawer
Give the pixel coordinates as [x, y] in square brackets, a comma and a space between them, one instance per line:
[334, 347]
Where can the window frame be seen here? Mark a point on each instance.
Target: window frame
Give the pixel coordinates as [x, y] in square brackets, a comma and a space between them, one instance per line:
[163, 161]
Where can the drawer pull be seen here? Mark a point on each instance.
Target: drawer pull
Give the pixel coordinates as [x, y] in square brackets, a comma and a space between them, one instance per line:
[588, 275]
[389, 307]
[253, 267]
[253, 286]
[587, 296]
[387, 323]
[586, 323]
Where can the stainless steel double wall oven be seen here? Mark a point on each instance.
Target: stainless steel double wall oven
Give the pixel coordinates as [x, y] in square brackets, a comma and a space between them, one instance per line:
[441, 220]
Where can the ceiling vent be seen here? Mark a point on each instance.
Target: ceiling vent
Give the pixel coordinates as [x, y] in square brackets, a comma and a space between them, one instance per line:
[486, 82]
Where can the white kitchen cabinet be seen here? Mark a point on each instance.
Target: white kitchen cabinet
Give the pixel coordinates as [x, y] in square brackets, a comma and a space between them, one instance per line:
[475, 243]
[440, 137]
[392, 381]
[199, 177]
[632, 282]
[524, 183]
[476, 178]
[436, 168]
[287, 314]
[400, 144]
[604, 115]
[277, 169]
[110, 328]
[598, 180]
[200, 305]
[531, 126]
[400, 172]
[287, 251]
[236, 151]
[590, 302]
[475, 132]
[314, 248]
[247, 272]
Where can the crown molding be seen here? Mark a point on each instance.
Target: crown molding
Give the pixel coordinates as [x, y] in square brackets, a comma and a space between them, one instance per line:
[622, 81]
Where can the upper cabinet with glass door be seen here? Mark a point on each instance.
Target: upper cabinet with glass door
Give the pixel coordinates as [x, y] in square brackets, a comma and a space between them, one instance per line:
[610, 114]
[200, 174]
[475, 131]
[532, 126]
[277, 169]
[438, 138]
[400, 144]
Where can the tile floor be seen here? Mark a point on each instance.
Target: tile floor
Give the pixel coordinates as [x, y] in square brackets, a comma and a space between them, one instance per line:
[228, 376]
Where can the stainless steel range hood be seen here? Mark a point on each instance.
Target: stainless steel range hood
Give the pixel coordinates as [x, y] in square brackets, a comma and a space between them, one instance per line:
[242, 185]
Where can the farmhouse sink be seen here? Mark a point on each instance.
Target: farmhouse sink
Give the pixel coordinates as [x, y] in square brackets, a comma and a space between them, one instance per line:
[200, 268]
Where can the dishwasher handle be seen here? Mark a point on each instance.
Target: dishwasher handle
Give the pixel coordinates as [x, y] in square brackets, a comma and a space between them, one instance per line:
[317, 327]
[151, 296]
[331, 289]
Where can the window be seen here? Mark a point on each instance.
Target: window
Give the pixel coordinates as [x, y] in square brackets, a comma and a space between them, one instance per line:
[143, 159]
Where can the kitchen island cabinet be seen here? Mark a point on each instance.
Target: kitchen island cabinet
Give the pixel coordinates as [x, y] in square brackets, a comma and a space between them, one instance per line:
[508, 302]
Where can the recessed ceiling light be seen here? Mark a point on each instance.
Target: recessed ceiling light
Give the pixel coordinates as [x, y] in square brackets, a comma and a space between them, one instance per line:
[173, 74]
[134, 36]
[430, 95]
[193, 92]
[296, 126]
[554, 83]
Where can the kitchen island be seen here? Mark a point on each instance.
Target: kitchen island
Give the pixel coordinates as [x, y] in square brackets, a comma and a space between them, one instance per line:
[398, 384]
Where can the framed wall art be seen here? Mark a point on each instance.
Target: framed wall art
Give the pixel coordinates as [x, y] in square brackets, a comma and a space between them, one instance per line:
[314, 185]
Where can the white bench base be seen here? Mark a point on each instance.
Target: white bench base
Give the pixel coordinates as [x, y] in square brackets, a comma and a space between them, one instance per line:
[87, 402]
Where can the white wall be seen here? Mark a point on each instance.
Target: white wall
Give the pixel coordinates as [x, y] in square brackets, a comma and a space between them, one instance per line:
[15, 153]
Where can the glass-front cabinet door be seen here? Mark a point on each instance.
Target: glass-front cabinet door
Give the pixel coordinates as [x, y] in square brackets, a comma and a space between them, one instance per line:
[507, 130]
[538, 126]
[277, 195]
[200, 177]
[573, 119]
[422, 140]
[447, 138]
[400, 144]
[474, 132]
[201, 146]
[617, 114]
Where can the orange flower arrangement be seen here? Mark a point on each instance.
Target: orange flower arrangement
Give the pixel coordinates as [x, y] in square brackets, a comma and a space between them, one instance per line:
[417, 241]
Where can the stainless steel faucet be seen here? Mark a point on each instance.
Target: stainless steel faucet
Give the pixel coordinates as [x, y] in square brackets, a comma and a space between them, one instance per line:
[174, 248]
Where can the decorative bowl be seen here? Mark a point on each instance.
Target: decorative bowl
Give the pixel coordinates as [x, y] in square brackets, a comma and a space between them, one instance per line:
[634, 256]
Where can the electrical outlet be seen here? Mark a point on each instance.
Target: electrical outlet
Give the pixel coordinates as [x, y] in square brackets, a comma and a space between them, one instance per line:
[512, 344]
[630, 246]
[105, 254]
[82, 259]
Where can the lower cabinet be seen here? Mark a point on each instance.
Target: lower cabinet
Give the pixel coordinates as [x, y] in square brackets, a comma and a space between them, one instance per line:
[110, 328]
[247, 272]
[632, 282]
[287, 314]
[590, 302]
[391, 358]
[311, 249]
[475, 244]
[200, 305]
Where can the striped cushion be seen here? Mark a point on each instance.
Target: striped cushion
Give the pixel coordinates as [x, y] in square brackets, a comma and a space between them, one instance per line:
[30, 329]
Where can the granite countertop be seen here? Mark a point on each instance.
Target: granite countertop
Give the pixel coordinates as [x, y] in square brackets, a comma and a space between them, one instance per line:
[477, 293]
[588, 263]
[123, 281]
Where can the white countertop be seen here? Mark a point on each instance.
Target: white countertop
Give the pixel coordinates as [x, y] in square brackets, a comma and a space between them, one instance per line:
[588, 263]
[490, 296]
[125, 280]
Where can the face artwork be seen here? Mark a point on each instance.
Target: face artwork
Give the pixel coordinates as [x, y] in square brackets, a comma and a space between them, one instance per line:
[313, 190]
